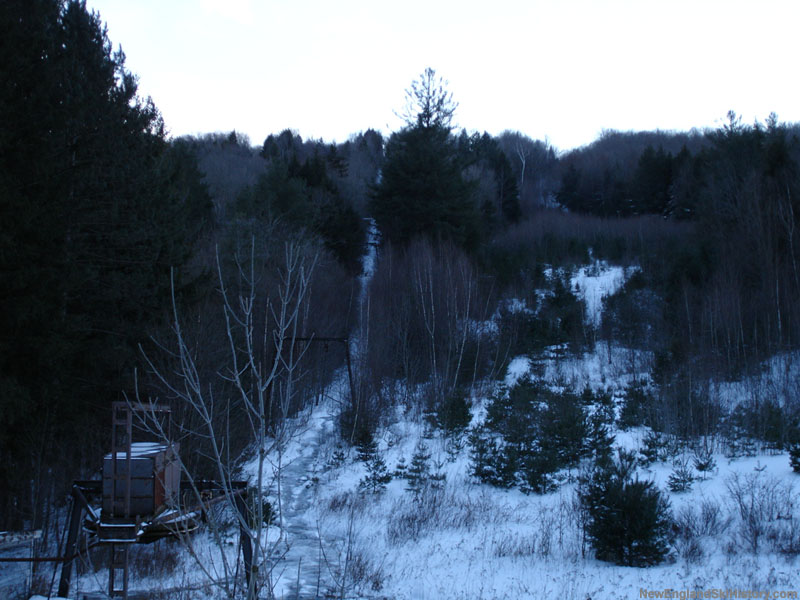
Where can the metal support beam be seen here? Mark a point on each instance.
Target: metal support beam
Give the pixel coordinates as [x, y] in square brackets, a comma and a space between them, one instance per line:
[78, 504]
[118, 566]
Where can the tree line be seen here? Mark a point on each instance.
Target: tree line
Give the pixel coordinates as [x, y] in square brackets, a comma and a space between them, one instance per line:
[110, 228]
[97, 207]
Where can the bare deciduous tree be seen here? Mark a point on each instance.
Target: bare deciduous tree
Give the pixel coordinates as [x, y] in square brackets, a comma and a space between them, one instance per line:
[261, 373]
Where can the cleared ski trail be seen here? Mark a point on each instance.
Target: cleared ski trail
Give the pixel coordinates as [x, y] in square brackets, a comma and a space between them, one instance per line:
[314, 563]
[304, 571]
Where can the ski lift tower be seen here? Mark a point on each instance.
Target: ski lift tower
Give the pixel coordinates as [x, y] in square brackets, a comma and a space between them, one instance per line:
[142, 498]
[140, 481]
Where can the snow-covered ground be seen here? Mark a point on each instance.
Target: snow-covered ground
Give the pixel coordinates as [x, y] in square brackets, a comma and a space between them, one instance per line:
[779, 381]
[594, 282]
[472, 541]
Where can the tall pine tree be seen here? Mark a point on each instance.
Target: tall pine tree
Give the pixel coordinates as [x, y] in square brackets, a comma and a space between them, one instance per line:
[94, 215]
[422, 190]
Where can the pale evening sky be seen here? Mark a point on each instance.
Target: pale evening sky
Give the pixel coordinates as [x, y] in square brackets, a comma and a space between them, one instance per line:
[557, 69]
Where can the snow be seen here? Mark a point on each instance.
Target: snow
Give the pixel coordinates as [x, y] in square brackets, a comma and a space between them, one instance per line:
[594, 282]
[490, 543]
[482, 542]
[605, 368]
[516, 305]
[368, 265]
[142, 450]
[470, 540]
[779, 380]
[519, 366]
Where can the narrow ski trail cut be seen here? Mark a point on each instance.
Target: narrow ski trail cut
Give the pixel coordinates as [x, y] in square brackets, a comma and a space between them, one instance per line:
[313, 561]
[304, 569]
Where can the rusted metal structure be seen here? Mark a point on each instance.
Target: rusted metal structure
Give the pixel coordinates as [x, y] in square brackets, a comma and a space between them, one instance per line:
[140, 500]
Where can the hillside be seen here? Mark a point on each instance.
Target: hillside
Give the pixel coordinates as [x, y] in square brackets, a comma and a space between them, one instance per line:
[736, 528]
[428, 362]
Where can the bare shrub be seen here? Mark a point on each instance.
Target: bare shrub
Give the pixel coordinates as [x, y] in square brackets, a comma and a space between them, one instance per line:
[514, 545]
[786, 536]
[693, 524]
[364, 571]
[561, 528]
[441, 509]
[467, 511]
[764, 507]
[711, 521]
[686, 522]
[415, 517]
[346, 501]
[158, 560]
[556, 530]
[690, 549]
[353, 571]
[348, 561]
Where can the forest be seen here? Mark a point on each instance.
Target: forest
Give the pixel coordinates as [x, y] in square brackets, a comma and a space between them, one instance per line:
[126, 254]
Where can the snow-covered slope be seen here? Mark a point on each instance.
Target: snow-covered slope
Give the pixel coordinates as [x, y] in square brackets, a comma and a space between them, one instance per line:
[469, 540]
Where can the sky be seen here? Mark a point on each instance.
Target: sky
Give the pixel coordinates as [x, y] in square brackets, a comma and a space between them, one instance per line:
[556, 70]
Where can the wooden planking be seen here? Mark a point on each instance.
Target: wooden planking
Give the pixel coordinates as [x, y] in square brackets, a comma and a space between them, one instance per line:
[155, 478]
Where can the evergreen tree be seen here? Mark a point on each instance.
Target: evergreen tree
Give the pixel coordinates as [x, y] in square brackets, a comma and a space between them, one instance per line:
[453, 416]
[600, 440]
[401, 469]
[655, 446]
[629, 520]
[570, 195]
[97, 210]
[428, 103]
[681, 478]
[562, 315]
[453, 447]
[377, 473]
[652, 181]
[536, 469]
[529, 434]
[422, 191]
[507, 188]
[337, 458]
[418, 472]
[794, 457]
[303, 193]
[563, 428]
[635, 406]
[704, 461]
[437, 475]
[489, 463]
[366, 448]
[483, 154]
